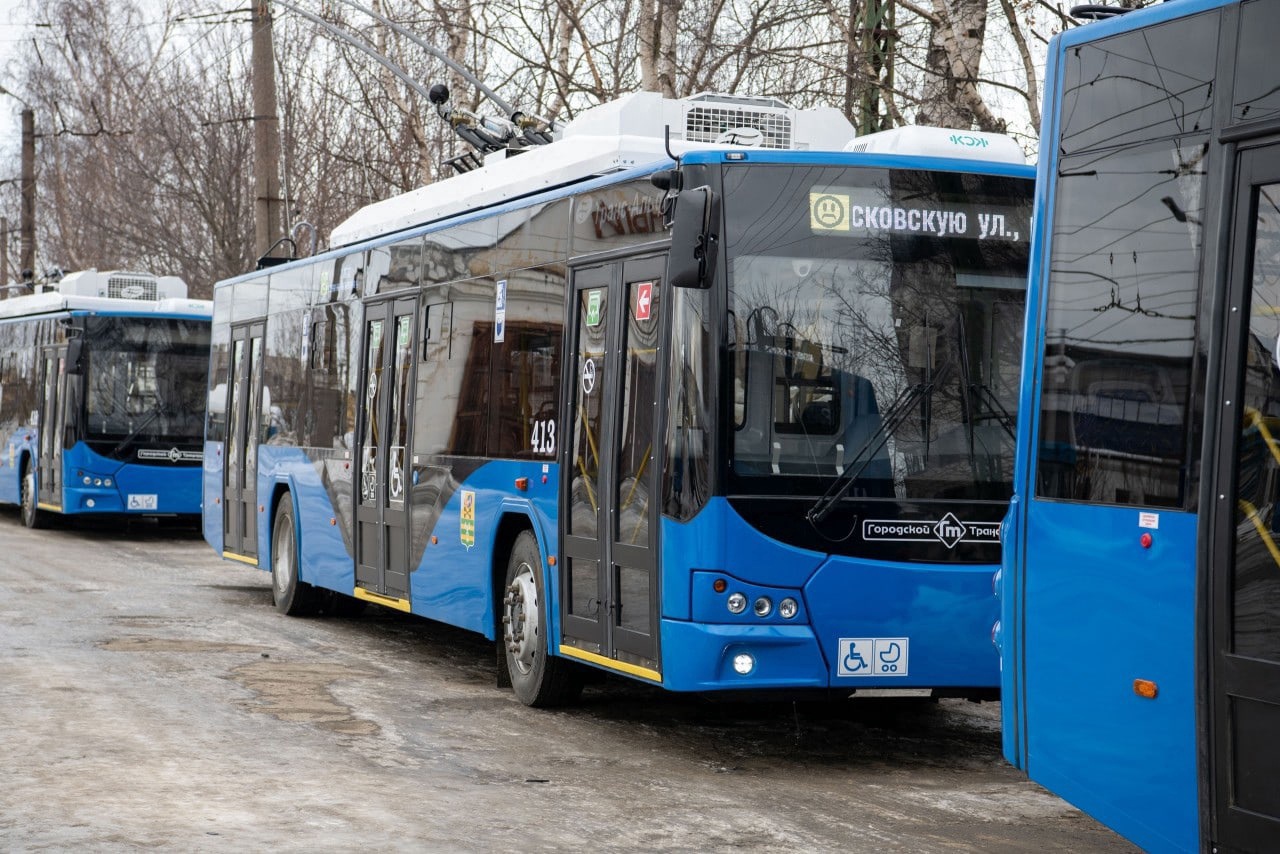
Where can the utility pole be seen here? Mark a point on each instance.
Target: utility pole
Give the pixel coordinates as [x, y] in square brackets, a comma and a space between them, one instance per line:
[4, 256]
[27, 227]
[878, 43]
[268, 208]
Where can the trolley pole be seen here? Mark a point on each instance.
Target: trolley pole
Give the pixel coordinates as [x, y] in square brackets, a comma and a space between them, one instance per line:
[27, 226]
[268, 209]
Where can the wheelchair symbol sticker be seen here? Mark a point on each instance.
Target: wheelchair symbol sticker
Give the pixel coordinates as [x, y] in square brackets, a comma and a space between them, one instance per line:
[873, 656]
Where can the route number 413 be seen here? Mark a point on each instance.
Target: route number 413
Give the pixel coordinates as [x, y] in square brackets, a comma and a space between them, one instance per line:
[543, 437]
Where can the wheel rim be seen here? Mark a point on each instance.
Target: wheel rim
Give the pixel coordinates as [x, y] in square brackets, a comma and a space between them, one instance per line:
[282, 563]
[29, 494]
[521, 619]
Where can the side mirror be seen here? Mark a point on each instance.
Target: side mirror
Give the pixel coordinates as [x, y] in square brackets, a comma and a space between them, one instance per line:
[695, 238]
[75, 356]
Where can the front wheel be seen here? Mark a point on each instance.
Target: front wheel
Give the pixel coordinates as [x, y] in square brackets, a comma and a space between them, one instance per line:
[290, 595]
[32, 515]
[537, 678]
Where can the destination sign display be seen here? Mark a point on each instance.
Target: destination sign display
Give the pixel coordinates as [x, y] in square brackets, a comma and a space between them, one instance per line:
[862, 212]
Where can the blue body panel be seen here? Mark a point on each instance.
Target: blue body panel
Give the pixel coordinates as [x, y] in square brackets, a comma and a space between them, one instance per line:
[176, 488]
[1085, 609]
[1128, 761]
[211, 490]
[945, 610]
[18, 445]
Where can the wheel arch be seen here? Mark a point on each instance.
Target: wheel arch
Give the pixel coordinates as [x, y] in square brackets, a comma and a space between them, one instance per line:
[279, 490]
[512, 521]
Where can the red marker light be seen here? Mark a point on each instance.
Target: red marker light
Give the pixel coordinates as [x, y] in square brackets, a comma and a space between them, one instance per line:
[1146, 540]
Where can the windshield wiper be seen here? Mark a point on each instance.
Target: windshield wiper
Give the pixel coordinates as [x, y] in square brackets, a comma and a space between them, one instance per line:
[893, 417]
[156, 412]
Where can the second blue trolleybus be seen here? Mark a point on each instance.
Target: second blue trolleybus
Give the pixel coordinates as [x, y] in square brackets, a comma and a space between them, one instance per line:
[102, 393]
[1141, 587]
[769, 448]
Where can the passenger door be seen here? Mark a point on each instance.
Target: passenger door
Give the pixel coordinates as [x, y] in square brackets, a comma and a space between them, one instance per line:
[244, 426]
[49, 475]
[382, 539]
[609, 575]
[1244, 558]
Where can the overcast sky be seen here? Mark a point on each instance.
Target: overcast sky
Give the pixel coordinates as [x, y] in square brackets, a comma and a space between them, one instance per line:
[14, 18]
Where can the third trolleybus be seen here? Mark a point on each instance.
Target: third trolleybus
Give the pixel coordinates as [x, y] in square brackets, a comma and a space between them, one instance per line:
[769, 448]
[102, 391]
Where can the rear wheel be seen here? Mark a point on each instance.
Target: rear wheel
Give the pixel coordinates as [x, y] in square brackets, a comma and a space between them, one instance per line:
[32, 515]
[537, 678]
[291, 596]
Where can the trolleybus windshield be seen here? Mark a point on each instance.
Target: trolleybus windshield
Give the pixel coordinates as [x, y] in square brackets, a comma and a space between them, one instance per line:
[875, 331]
[144, 383]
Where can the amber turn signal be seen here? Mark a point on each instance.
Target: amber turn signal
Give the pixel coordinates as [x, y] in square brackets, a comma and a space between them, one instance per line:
[1145, 688]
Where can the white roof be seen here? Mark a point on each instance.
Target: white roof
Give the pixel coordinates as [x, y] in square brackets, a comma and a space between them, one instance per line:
[942, 142]
[52, 301]
[616, 136]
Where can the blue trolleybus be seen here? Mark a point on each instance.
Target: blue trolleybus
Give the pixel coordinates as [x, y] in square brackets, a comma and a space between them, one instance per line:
[1141, 583]
[767, 448]
[102, 394]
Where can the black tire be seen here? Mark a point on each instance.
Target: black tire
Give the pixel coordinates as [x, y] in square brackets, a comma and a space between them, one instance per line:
[291, 597]
[538, 679]
[32, 516]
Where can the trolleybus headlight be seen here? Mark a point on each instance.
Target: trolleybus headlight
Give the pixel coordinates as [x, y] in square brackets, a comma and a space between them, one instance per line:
[788, 608]
[737, 603]
[106, 481]
[97, 481]
[763, 606]
[744, 663]
[87, 480]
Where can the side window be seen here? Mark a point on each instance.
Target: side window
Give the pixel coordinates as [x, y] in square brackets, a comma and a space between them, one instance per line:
[219, 369]
[1256, 95]
[686, 469]
[326, 416]
[525, 398]
[1168, 70]
[404, 266]
[1120, 333]
[453, 378]
[617, 216]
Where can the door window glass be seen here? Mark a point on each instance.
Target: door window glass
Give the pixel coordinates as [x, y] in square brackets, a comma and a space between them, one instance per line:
[258, 401]
[401, 361]
[233, 409]
[372, 389]
[584, 491]
[639, 391]
[1256, 586]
